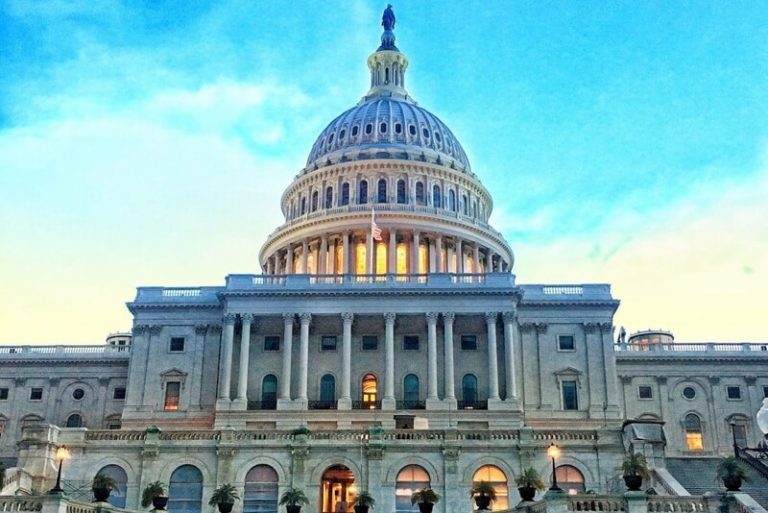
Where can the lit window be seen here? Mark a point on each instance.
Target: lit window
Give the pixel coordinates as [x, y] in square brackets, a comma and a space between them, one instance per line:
[381, 258]
[645, 392]
[402, 258]
[369, 391]
[497, 479]
[172, 390]
[36, 394]
[565, 343]
[423, 259]
[370, 342]
[271, 343]
[694, 440]
[409, 480]
[411, 342]
[734, 393]
[328, 343]
[468, 342]
[177, 344]
[570, 396]
[360, 258]
[570, 479]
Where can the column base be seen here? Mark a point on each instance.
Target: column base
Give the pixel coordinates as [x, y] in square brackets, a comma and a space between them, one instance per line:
[344, 403]
[239, 403]
[451, 403]
[513, 403]
[223, 404]
[433, 403]
[389, 404]
[498, 405]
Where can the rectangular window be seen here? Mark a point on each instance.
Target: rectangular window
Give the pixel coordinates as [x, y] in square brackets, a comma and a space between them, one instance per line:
[565, 343]
[271, 343]
[370, 342]
[119, 393]
[570, 398]
[765, 392]
[411, 343]
[113, 424]
[177, 344]
[36, 394]
[468, 342]
[328, 343]
[694, 441]
[3, 394]
[733, 392]
[172, 390]
[740, 434]
[645, 392]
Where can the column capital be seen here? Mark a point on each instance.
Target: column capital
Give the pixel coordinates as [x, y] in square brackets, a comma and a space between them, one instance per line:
[431, 317]
[140, 329]
[490, 317]
[605, 327]
[590, 327]
[288, 318]
[155, 329]
[305, 317]
[201, 329]
[229, 318]
[449, 317]
[247, 318]
[509, 317]
[389, 317]
[347, 317]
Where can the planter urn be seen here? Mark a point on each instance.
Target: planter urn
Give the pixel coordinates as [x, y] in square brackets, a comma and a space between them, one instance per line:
[101, 494]
[633, 483]
[527, 493]
[426, 507]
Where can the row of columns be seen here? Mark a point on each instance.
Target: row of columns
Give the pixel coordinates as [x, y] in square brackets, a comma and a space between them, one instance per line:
[345, 398]
[325, 248]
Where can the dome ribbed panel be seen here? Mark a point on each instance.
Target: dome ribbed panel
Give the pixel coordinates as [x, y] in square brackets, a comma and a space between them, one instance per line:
[390, 111]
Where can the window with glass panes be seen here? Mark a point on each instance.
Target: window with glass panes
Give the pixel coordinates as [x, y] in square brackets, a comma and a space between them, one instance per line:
[260, 490]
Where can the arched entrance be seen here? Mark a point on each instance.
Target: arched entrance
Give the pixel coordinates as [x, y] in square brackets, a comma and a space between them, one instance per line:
[337, 490]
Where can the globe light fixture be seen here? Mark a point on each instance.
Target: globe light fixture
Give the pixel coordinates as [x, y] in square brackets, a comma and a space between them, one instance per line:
[62, 453]
[762, 418]
[554, 452]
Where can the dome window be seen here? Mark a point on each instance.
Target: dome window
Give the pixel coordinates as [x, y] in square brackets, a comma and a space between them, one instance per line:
[368, 129]
[437, 136]
[362, 196]
[411, 129]
[330, 140]
[345, 194]
[398, 128]
[401, 191]
[355, 130]
[419, 193]
[342, 134]
[383, 128]
[425, 133]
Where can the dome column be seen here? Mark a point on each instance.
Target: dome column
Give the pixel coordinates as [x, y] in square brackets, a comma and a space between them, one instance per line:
[439, 256]
[289, 259]
[415, 253]
[488, 260]
[459, 256]
[345, 260]
[332, 256]
[304, 254]
[432, 260]
[476, 258]
[323, 267]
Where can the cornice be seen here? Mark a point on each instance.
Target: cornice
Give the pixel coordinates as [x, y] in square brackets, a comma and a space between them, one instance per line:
[373, 293]
[121, 361]
[701, 357]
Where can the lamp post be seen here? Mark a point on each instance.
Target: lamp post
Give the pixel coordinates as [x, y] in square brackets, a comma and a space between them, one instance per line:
[554, 452]
[62, 453]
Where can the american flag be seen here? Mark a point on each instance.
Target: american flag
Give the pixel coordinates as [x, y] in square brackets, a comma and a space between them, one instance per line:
[375, 230]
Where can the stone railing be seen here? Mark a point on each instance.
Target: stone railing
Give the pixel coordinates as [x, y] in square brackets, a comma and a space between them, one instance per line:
[588, 292]
[607, 503]
[673, 504]
[64, 351]
[695, 347]
[638, 502]
[21, 503]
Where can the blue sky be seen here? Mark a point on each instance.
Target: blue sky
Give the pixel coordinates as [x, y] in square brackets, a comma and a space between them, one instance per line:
[146, 143]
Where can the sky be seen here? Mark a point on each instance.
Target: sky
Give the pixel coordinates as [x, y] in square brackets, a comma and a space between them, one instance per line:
[148, 143]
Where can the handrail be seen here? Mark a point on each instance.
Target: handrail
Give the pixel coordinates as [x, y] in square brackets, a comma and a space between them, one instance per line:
[759, 465]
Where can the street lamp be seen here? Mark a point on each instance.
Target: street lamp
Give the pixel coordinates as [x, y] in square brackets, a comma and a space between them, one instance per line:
[554, 452]
[62, 453]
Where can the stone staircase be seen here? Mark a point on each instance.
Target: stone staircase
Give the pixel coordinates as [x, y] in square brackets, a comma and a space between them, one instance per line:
[697, 475]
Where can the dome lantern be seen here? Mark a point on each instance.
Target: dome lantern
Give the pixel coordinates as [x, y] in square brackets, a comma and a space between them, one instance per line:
[387, 64]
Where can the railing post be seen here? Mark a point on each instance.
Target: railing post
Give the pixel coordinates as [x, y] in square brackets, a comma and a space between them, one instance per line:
[557, 501]
[636, 502]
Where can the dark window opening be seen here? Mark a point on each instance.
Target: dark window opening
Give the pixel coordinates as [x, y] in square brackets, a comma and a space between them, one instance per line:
[689, 392]
[119, 393]
[314, 201]
[401, 191]
[177, 344]
[271, 343]
[328, 343]
[368, 129]
[36, 394]
[342, 134]
[78, 394]
[437, 199]
[328, 197]
[3, 394]
[355, 130]
[565, 343]
[362, 195]
[345, 194]
[382, 192]
[468, 342]
[411, 343]
[425, 133]
[570, 397]
[734, 392]
[370, 342]
[411, 129]
[645, 392]
[398, 128]
[419, 193]
[383, 128]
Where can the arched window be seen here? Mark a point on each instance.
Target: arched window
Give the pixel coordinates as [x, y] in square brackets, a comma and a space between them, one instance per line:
[74, 421]
[452, 200]
[409, 479]
[260, 490]
[328, 197]
[362, 193]
[570, 479]
[464, 205]
[314, 201]
[382, 192]
[345, 194]
[437, 199]
[474, 209]
[369, 391]
[694, 439]
[303, 206]
[327, 391]
[117, 497]
[411, 391]
[269, 392]
[496, 477]
[419, 193]
[469, 390]
[401, 191]
[185, 493]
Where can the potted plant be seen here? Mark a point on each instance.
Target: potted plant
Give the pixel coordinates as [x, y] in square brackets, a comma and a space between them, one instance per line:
[528, 482]
[102, 485]
[224, 497]
[293, 498]
[425, 498]
[634, 469]
[484, 494]
[301, 433]
[731, 473]
[154, 494]
[363, 502]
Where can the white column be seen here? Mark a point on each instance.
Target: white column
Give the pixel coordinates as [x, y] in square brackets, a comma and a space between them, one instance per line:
[268, 268]
[285, 378]
[448, 318]
[370, 255]
[476, 258]
[289, 259]
[509, 354]
[345, 260]
[439, 255]
[459, 256]
[389, 362]
[322, 267]
[493, 366]
[392, 256]
[226, 356]
[488, 260]
[331, 269]
[245, 347]
[304, 254]
[305, 319]
[432, 261]
[415, 253]
[432, 355]
[276, 263]
[345, 399]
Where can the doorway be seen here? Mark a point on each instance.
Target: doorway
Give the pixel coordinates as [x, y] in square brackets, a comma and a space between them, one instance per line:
[337, 490]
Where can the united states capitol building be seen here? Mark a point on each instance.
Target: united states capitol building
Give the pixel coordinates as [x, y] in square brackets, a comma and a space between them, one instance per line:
[386, 320]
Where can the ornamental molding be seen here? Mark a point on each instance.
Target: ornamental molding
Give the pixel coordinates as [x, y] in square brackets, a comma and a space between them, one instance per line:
[201, 329]
[390, 317]
[470, 292]
[431, 317]
[247, 318]
[491, 317]
[229, 319]
[449, 317]
[589, 327]
[155, 329]
[305, 317]
[347, 317]
[509, 317]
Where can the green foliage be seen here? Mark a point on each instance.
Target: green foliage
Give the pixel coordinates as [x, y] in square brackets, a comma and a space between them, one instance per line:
[104, 481]
[224, 494]
[365, 499]
[483, 488]
[293, 497]
[730, 468]
[530, 478]
[301, 430]
[425, 496]
[635, 464]
[151, 491]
